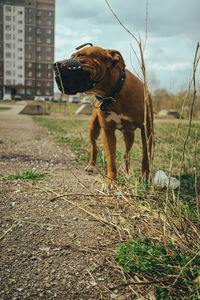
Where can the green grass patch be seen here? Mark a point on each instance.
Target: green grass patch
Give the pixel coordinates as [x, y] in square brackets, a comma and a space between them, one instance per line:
[25, 175]
[174, 270]
[4, 108]
[75, 134]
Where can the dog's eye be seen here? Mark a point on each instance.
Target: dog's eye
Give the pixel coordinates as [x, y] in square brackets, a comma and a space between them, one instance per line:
[80, 55]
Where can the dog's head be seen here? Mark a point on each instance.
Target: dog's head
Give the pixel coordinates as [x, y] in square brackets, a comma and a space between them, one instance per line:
[86, 68]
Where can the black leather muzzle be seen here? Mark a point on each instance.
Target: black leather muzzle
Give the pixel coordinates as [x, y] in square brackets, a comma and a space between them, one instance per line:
[71, 78]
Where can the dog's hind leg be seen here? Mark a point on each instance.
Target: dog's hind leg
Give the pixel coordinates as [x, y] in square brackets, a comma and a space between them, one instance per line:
[147, 150]
[93, 133]
[129, 140]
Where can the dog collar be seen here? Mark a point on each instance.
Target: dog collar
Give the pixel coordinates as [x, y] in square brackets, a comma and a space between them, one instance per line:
[115, 92]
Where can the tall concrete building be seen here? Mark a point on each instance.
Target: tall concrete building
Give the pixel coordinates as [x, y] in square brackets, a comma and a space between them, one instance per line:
[27, 48]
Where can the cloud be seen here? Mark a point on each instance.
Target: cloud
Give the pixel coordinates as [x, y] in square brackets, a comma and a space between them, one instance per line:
[173, 31]
[66, 40]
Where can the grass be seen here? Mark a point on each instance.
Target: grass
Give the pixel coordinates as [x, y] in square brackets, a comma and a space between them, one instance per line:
[173, 270]
[75, 133]
[24, 175]
[4, 108]
[175, 263]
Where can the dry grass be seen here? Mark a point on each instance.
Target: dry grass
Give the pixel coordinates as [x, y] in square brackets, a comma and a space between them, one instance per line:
[136, 209]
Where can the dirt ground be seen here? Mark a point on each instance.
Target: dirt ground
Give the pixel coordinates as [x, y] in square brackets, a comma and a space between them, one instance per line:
[53, 244]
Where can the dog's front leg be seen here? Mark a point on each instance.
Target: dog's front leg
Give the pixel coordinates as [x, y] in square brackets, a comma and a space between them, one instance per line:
[109, 141]
[94, 133]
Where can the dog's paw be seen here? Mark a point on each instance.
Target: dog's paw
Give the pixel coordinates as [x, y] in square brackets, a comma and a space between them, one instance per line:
[90, 169]
[107, 187]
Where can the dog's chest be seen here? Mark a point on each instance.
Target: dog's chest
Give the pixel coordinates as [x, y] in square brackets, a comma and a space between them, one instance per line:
[121, 121]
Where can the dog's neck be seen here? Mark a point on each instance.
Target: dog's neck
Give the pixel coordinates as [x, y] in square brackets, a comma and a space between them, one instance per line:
[113, 94]
[104, 90]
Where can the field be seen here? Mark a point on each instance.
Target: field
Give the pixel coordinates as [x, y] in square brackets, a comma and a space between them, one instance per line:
[77, 242]
[178, 210]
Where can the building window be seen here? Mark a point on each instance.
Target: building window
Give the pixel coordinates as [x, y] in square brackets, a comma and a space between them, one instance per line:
[38, 48]
[48, 66]
[20, 22]
[20, 12]
[49, 13]
[38, 92]
[38, 75]
[28, 47]
[29, 74]
[8, 46]
[47, 92]
[29, 56]
[20, 67]
[8, 36]
[29, 92]
[39, 21]
[8, 82]
[29, 29]
[39, 57]
[48, 83]
[38, 39]
[29, 82]
[29, 10]
[8, 18]
[38, 83]
[20, 76]
[49, 31]
[8, 64]
[20, 57]
[38, 66]
[8, 27]
[48, 57]
[8, 73]
[29, 65]
[20, 49]
[8, 54]
[20, 31]
[29, 38]
[48, 75]
[39, 30]
[48, 49]
[48, 40]
[39, 13]
[29, 20]
[8, 8]
[49, 22]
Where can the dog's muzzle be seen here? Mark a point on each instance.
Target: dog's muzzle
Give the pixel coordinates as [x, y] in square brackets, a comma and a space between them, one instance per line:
[71, 78]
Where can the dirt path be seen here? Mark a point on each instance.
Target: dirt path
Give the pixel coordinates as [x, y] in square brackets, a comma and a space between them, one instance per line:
[52, 247]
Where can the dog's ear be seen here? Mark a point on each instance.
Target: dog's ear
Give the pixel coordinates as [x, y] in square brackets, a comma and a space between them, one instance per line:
[116, 58]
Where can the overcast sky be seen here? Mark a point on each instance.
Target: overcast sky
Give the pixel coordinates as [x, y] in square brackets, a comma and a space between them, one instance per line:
[173, 32]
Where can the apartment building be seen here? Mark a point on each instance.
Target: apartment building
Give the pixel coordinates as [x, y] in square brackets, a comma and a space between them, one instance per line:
[27, 48]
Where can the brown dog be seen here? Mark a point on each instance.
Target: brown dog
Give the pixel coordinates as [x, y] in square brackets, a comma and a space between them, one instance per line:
[120, 105]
